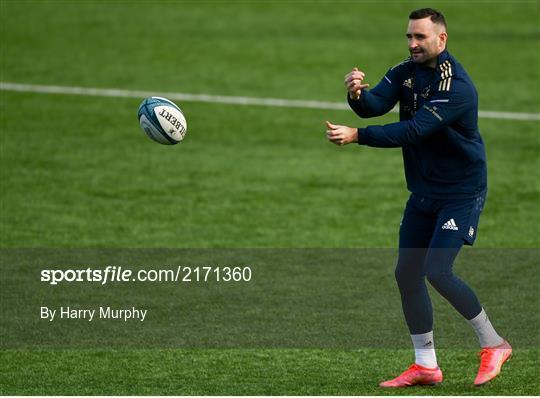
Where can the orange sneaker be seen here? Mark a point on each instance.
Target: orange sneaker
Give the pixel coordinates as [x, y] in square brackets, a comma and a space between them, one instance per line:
[415, 375]
[491, 362]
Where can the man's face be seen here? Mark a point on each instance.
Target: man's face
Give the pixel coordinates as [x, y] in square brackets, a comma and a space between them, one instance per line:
[426, 40]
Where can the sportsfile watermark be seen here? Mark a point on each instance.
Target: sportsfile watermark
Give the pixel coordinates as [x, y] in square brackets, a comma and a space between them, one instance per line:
[182, 274]
[244, 298]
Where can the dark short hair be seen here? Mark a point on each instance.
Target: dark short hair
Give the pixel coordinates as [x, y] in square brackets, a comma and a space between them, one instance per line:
[435, 16]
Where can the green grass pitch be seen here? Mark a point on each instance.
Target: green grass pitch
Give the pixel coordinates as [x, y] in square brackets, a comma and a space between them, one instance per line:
[77, 172]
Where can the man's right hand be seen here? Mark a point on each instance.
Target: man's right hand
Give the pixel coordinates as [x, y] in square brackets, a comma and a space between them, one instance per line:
[353, 82]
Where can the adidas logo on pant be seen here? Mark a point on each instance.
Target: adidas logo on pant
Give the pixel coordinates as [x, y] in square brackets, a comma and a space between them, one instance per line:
[450, 224]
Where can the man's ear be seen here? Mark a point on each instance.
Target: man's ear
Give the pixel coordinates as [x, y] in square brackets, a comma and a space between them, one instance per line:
[443, 36]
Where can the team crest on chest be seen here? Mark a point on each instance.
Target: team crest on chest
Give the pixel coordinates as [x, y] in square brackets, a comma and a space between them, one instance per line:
[426, 92]
[408, 82]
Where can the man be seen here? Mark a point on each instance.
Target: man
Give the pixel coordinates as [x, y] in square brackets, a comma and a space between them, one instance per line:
[445, 169]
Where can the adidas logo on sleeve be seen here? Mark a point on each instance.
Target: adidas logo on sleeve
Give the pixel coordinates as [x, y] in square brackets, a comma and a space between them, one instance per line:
[450, 224]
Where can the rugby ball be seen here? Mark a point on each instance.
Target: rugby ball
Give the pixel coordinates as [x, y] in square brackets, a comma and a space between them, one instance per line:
[162, 120]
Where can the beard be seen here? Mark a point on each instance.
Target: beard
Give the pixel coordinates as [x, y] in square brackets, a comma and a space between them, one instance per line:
[421, 56]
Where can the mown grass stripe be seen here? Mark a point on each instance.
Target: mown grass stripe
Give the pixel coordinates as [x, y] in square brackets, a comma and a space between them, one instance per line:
[221, 99]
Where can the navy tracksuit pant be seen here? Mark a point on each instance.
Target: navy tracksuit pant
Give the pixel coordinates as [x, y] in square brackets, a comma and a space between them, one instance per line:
[431, 234]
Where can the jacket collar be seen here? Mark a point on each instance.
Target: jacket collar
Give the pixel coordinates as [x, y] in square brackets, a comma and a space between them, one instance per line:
[444, 56]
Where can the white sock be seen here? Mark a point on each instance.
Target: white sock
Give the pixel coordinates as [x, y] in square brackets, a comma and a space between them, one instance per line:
[424, 350]
[487, 336]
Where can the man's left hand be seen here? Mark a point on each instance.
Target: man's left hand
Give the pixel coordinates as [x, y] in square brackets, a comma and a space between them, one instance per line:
[341, 135]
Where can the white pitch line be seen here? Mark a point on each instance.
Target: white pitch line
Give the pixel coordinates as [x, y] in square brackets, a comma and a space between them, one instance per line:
[221, 99]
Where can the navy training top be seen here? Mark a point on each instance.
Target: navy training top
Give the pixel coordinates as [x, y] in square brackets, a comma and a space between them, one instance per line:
[443, 152]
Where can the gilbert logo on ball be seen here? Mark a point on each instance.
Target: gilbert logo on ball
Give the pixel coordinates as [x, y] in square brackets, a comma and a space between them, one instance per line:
[162, 120]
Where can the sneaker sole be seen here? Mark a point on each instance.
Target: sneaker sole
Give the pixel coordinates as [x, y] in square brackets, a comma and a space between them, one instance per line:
[415, 385]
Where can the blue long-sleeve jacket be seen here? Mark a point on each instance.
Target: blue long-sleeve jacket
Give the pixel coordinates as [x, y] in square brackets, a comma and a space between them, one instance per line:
[443, 151]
